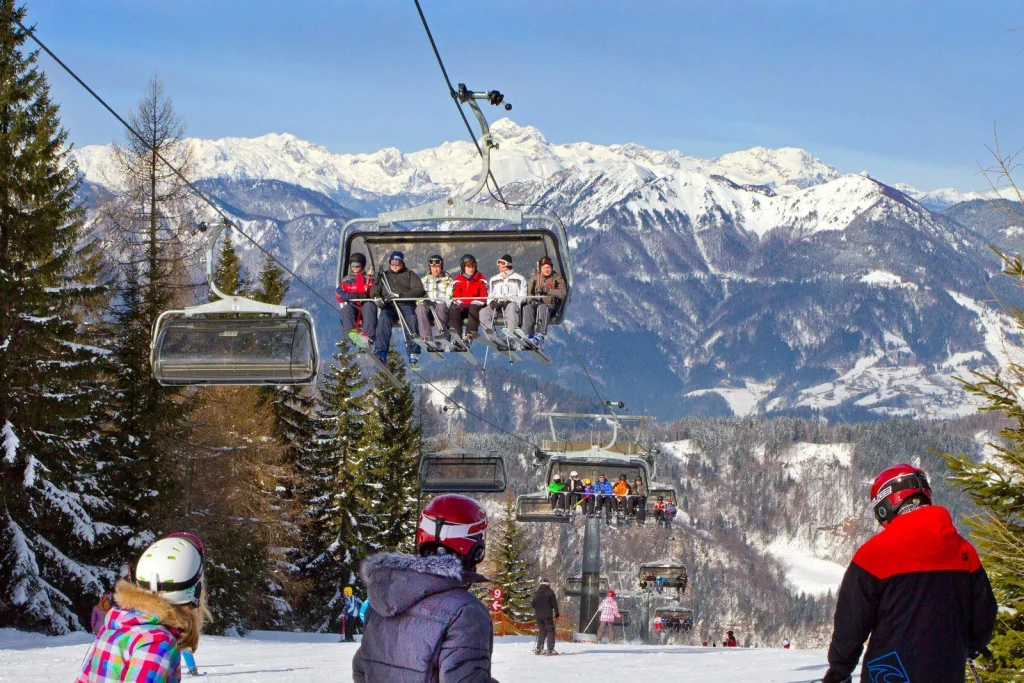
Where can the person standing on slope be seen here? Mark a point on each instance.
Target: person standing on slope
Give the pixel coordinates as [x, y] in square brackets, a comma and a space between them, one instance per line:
[425, 624]
[397, 282]
[730, 639]
[350, 615]
[357, 285]
[153, 620]
[432, 311]
[916, 588]
[469, 294]
[545, 609]
[546, 290]
[505, 293]
[609, 611]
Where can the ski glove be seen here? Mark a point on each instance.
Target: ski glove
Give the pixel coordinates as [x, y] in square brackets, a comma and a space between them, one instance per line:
[379, 301]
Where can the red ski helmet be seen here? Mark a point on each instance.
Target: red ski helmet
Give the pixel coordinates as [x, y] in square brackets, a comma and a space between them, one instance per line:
[611, 594]
[894, 486]
[453, 524]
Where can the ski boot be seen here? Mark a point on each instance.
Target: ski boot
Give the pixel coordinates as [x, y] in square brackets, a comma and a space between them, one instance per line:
[414, 360]
[382, 356]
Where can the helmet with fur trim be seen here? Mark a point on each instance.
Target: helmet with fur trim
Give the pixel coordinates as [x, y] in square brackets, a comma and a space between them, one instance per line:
[453, 524]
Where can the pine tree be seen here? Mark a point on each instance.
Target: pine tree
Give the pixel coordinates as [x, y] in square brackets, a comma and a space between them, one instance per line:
[145, 218]
[511, 569]
[387, 485]
[229, 276]
[329, 472]
[997, 487]
[273, 284]
[52, 489]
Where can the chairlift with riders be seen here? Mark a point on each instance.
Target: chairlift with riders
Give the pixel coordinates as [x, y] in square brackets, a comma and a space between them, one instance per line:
[452, 227]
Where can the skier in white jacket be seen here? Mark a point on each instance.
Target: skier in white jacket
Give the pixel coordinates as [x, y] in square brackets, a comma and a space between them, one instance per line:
[506, 292]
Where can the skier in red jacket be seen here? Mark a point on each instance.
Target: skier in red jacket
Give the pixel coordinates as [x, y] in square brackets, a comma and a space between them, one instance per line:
[917, 588]
[469, 294]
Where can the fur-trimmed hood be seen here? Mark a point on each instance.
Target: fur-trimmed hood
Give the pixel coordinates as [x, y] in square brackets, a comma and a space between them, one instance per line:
[395, 581]
[131, 597]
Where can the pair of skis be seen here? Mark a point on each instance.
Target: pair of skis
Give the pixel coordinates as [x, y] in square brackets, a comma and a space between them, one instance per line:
[510, 343]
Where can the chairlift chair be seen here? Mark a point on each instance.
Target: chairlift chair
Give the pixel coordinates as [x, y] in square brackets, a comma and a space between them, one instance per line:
[574, 585]
[665, 491]
[462, 471]
[233, 341]
[670, 571]
[421, 231]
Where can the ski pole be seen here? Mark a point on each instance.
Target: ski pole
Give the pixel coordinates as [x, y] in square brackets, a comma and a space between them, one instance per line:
[592, 620]
[974, 670]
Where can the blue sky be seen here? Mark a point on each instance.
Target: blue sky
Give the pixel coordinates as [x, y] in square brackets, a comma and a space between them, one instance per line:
[906, 89]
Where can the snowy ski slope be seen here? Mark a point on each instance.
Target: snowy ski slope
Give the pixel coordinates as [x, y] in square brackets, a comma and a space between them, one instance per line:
[263, 657]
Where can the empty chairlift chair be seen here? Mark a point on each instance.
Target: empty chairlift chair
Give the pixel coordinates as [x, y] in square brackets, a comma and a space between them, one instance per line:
[574, 586]
[233, 341]
[462, 471]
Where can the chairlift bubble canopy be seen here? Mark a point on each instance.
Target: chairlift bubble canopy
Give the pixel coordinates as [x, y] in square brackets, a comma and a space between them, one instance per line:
[462, 471]
[233, 341]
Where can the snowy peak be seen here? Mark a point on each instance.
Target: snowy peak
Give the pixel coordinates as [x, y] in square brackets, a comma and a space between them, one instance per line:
[785, 169]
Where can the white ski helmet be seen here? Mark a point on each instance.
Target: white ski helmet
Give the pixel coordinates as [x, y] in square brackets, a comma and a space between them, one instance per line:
[574, 473]
[172, 567]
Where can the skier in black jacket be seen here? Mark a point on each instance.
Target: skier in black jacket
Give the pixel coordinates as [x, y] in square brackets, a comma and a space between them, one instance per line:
[917, 588]
[545, 606]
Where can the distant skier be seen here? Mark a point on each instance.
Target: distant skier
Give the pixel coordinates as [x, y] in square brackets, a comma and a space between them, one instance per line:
[785, 644]
[357, 285]
[638, 501]
[574, 489]
[730, 640]
[350, 615]
[605, 497]
[547, 289]
[469, 294]
[556, 494]
[397, 282]
[425, 624]
[432, 310]
[609, 611]
[916, 589]
[99, 613]
[505, 293]
[153, 620]
[545, 609]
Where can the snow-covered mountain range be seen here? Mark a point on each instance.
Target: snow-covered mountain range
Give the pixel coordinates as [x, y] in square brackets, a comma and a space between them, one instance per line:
[760, 281]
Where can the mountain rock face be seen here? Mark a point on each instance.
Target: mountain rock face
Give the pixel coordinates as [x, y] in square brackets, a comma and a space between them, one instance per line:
[760, 282]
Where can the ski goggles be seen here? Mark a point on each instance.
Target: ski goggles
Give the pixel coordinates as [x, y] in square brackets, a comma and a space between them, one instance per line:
[503, 262]
[435, 262]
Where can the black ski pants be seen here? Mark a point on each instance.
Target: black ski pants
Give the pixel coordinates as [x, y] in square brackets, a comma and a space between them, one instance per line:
[607, 502]
[546, 631]
[459, 312]
[349, 626]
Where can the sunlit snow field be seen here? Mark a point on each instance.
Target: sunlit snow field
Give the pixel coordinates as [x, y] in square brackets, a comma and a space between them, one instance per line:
[263, 657]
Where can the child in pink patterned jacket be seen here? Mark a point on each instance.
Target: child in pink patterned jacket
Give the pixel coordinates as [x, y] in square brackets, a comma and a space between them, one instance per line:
[154, 619]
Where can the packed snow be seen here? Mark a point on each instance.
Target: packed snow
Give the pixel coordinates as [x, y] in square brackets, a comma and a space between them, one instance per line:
[807, 573]
[265, 657]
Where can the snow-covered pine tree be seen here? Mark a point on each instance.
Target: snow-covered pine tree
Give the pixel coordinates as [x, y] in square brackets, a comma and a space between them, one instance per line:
[996, 485]
[511, 568]
[53, 494]
[387, 484]
[327, 474]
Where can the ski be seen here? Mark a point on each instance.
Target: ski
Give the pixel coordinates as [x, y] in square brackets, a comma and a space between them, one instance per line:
[435, 348]
[528, 345]
[358, 339]
[381, 367]
[458, 345]
[501, 344]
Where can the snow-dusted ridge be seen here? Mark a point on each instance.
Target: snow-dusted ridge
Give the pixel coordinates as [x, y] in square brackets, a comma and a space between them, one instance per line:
[524, 154]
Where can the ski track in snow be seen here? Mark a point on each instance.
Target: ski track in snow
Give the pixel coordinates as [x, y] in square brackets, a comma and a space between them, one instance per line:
[265, 657]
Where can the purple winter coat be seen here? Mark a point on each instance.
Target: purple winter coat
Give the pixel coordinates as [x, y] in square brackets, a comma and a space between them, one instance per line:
[98, 617]
[423, 624]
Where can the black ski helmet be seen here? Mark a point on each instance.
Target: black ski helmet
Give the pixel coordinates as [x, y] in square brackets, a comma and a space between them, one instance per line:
[357, 258]
[435, 257]
[467, 258]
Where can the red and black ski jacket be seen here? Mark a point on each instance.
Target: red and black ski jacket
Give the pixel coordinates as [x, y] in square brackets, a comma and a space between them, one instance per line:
[354, 287]
[919, 590]
[467, 290]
